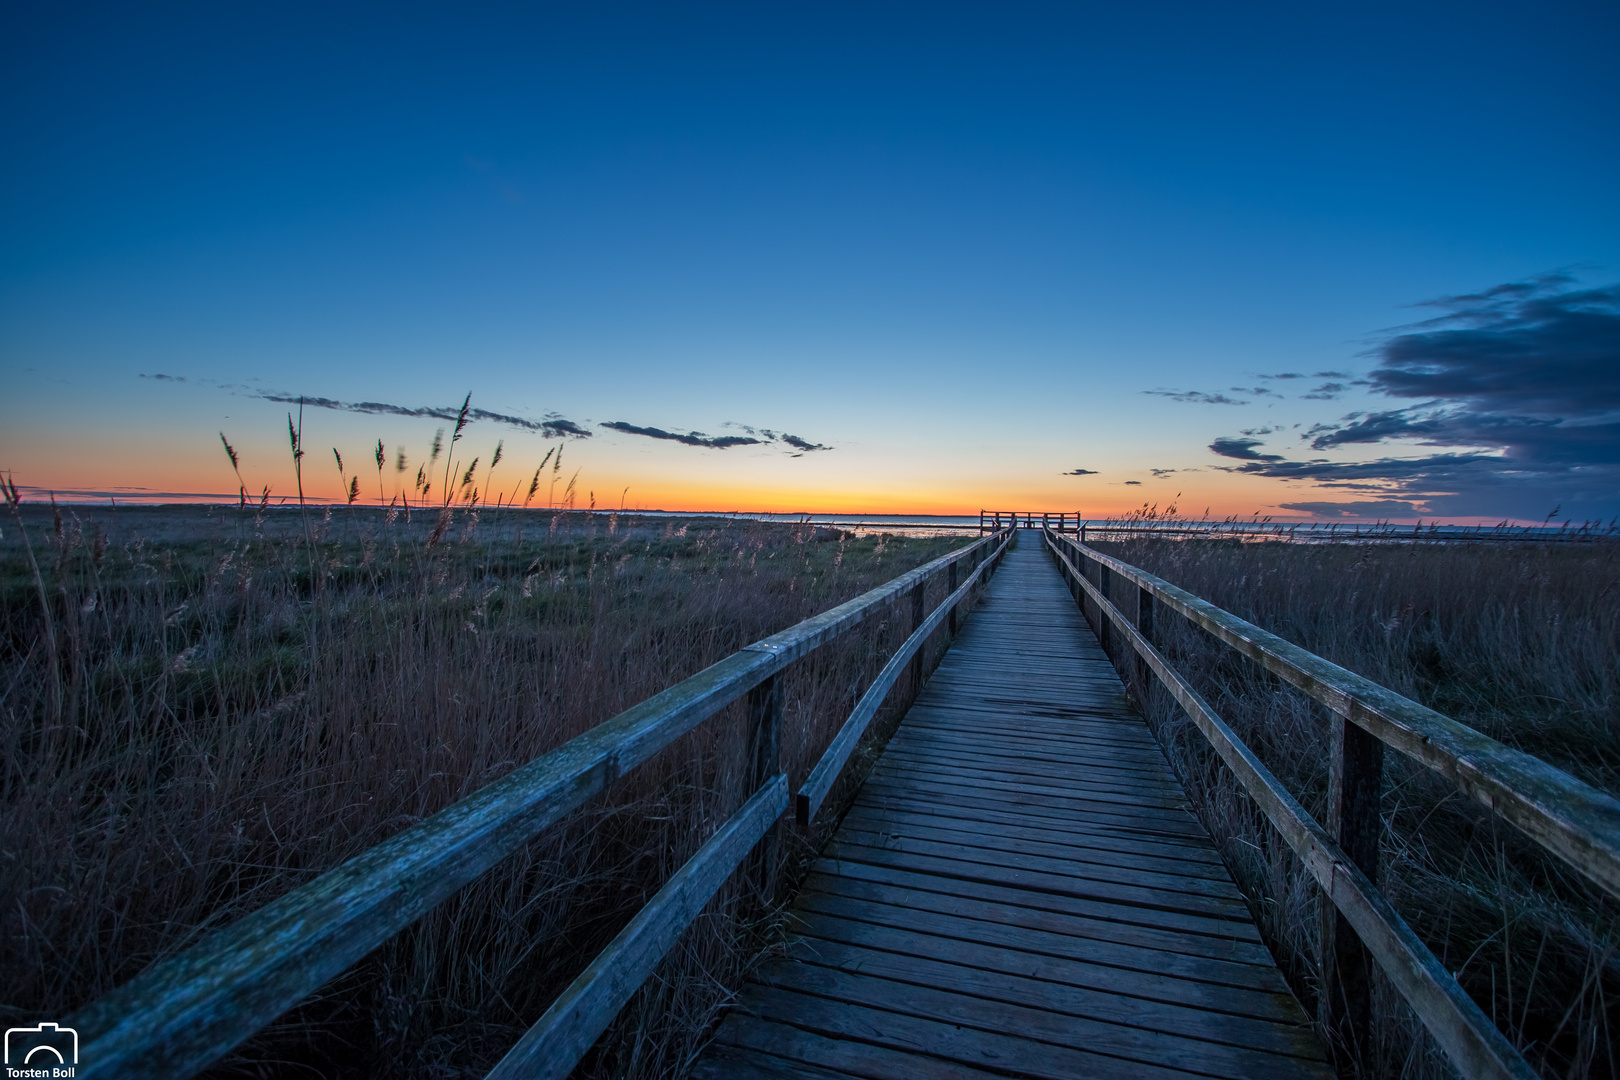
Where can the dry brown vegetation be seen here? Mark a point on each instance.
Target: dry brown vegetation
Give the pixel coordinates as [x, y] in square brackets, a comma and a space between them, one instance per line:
[202, 708]
[1521, 642]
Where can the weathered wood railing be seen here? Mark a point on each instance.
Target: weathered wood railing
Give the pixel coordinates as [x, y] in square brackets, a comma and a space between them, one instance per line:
[188, 1011]
[1571, 819]
[991, 520]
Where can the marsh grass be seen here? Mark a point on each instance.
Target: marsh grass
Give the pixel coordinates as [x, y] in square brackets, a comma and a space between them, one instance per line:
[1522, 643]
[203, 708]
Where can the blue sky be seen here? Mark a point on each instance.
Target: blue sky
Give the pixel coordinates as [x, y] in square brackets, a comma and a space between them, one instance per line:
[954, 244]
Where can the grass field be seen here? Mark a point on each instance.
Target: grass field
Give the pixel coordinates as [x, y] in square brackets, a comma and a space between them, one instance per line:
[1521, 642]
[203, 708]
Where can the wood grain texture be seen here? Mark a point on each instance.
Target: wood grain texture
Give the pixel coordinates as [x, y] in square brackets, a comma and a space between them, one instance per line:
[1019, 890]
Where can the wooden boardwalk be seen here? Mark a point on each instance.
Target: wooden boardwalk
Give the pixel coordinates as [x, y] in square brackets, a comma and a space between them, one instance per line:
[1019, 890]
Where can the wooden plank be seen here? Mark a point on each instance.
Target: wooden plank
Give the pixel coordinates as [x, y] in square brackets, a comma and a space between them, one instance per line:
[1015, 910]
[849, 1056]
[1154, 783]
[1096, 753]
[959, 1041]
[1042, 1031]
[1096, 887]
[1227, 1043]
[1073, 729]
[1149, 790]
[724, 1062]
[1064, 738]
[1119, 802]
[926, 791]
[880, 816]
[1251, 990]
[950, 828]
[1074, 733]
[978, 846]
[1088, 866]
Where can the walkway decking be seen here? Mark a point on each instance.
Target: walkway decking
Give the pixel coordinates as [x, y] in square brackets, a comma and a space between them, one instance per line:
[1019, 891]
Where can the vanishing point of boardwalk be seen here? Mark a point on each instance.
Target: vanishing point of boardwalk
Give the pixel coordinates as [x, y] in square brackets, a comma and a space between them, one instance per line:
[1019, 890]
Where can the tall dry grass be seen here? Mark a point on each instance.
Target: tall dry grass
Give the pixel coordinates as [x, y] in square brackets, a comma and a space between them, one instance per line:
[1521, 642]
[203, 708]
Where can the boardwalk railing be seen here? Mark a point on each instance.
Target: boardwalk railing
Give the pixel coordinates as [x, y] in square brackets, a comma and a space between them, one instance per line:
[188, 1011]
[991, 520]
[1571, 819]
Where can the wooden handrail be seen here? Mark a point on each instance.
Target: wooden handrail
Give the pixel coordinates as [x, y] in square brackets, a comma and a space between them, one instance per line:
[1570, 818]
[185, 1012]
[1590, 824]
[556, 1042]
[820, 781]
[1464, 1032]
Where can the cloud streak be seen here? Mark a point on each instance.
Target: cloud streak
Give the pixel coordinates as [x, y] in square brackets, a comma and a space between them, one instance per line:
[692, 438]
[1242, 449]
[552, 427]
[1195, 396]
[755, 437]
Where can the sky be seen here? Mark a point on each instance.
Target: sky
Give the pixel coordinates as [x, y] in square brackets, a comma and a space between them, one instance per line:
[1278, 259]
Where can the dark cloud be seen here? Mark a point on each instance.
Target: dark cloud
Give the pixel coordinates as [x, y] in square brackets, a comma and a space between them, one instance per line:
[1328, 391]
[1313, 375]
[755, 437]
[1375, 508]
[1460, 484]
[1257, 391]
[1361, 475]
[1160, 474]
[1261, 430]
[1242, 449]
[1539, 348]
[1133, 483]
[1374, 427]
[1520, 387]
[1079, 472]
[1197, 396]
[162, 378]
[552, 427]
[803, 445]
[693, 438]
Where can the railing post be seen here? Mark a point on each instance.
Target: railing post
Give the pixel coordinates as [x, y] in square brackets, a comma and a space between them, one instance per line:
[765, 731]
[1355, 787]
[1103, 624]
[950, 590]
[1144, 625]
[917, 615]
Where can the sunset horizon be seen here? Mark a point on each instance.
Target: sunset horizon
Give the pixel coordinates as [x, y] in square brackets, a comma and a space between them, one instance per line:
[1292, 266]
